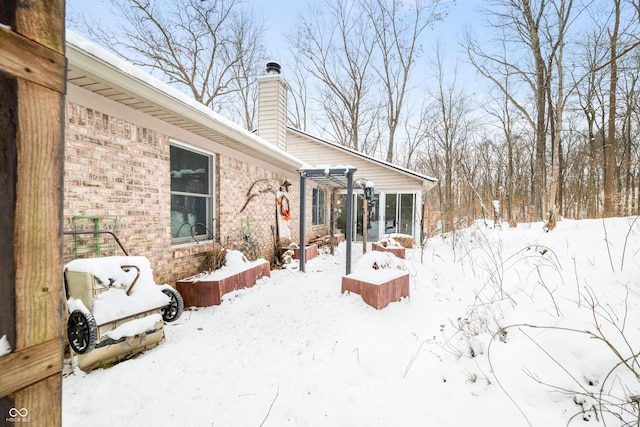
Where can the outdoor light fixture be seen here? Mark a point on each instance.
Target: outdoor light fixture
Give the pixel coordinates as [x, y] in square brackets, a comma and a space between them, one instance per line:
[368, 192]
[368, 187]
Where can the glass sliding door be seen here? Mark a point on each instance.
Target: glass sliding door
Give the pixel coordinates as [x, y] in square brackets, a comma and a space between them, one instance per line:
[390, 213]
[387, 213]
[373, 217]
[405, 214]
[399, 213]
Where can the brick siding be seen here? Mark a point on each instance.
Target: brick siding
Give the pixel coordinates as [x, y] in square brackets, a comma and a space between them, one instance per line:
[114, 168]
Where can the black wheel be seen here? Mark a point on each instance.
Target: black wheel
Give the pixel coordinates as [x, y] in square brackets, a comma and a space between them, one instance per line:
[82, 331]
[175, 307]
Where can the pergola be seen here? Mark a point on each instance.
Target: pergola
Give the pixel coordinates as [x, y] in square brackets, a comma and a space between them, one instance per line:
[331, 177]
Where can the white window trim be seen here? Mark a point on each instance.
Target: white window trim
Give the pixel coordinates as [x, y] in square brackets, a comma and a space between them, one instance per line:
[213, 183]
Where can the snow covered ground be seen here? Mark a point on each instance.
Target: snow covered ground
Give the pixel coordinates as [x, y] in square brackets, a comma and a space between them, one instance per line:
[504, 327]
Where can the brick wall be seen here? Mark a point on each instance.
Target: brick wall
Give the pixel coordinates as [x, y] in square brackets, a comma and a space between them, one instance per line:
[114, 168]
[240, 183]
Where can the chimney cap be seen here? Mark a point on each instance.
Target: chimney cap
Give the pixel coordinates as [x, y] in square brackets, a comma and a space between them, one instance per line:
[273, 67]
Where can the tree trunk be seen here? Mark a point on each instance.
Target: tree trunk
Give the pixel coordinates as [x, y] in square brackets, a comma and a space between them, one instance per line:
[610, 147]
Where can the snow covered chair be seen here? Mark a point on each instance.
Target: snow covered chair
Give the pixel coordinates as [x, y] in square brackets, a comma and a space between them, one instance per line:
[115, 308]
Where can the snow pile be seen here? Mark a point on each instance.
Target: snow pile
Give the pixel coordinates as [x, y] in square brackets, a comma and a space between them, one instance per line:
[135, 327]
[114, 303]
[552, 313]
[505, 327]
[389, 242]
[378, 267]
[235, 263]
[404, 240]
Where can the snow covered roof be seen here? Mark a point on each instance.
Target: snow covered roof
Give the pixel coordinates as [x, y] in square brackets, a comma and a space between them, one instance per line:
[352, 152]
[95, 69]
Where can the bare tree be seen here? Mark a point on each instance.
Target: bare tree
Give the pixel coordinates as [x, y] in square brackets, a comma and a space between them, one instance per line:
[334, 47]
[589, 86]
[246, 33]
[298, 106]
[610, 147]
[521, 24]
[208, 49]
[501, 109]
[623, 39]
[416, 134]
[555, 37]
[630, 103]
[397, 28]
[450, 127]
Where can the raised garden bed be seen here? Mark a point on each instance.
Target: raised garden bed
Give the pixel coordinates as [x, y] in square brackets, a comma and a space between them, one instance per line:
[338, 238]
[398, 251]
[379, 278]
[204, 290]
[310, 252]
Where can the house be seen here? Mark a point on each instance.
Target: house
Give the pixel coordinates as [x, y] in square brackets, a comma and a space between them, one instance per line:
[397, 202]
[164, 173]
[169, 176]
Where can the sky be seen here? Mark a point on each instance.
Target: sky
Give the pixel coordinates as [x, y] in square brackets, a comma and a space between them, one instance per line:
[281, 15]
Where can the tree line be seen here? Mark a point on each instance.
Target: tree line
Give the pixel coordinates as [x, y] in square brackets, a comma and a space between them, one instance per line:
[549, 128]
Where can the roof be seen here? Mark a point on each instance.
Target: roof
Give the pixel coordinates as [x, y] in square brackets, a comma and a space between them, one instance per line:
[97, 70]
[366, 157]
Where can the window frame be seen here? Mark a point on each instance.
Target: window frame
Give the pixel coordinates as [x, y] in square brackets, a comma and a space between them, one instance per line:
[209, 197]
[318, 207]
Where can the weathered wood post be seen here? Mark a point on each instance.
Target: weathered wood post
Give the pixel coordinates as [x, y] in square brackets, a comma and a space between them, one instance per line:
[32, 86]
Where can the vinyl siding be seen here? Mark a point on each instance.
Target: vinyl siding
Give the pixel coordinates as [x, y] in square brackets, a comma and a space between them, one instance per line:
[386, 179]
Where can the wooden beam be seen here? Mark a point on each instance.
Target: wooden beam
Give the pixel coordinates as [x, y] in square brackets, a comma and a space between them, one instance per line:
[38, 216]
[32, 54]
[31, 61]
[30, 365]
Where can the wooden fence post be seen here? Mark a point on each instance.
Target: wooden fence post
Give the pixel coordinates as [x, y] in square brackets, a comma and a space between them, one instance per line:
[32, 86]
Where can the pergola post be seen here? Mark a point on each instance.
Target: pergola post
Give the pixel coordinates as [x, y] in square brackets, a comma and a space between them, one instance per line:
[349, 230]
[330, 178]
[303, 210]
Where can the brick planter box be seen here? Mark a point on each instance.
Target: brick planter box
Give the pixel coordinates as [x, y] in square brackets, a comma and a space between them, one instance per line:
[310, 252]
[377, 295]
[204, 293]
[399, 252]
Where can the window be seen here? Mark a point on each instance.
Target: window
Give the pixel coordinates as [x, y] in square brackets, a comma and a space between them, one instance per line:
[191, 194]
[405, 213]
[317, 207]
[399, 213]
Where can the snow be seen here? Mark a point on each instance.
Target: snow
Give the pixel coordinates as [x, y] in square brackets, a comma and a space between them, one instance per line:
[5, 346]
[504, 327]
[235, 262]
[135, 327]
[389, 242]
[378, 267]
